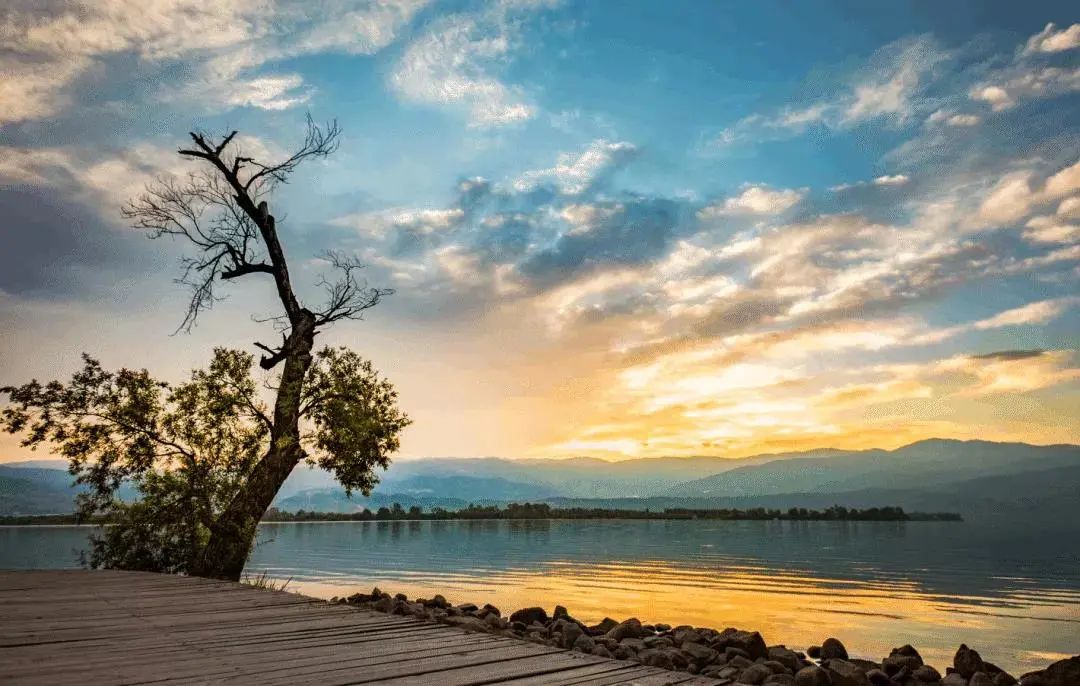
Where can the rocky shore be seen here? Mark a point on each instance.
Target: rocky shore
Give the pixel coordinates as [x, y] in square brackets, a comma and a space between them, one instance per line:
[732, 656]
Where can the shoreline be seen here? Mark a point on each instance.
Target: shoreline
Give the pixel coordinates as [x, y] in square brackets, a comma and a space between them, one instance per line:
[734, 656]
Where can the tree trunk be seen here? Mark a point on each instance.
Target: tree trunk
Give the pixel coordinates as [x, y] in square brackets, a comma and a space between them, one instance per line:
[233, 533]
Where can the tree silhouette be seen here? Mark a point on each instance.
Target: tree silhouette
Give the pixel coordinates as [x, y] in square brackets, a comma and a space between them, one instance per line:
[122, 427]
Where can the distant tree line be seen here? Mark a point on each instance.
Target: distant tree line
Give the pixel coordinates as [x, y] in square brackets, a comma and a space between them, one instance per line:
[545, 511]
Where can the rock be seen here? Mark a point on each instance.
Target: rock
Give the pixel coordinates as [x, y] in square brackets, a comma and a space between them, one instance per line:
[678, 658]
[812, 676]
[653, 657]
[606, 625]
[635, 644]
[529, 615]
[570, 634]
[904, 656]
[682, 635]
[786, 657]
[631, 628]
[584, 643]
[1062, 673]
[1003, 679]
[926, 674]
[662, 627]
[439, 602]
[657, 642]
[383, 605]
[774, 666]
[833, 649]
[739, 662]
[493, 621]
[401, 596]
[780, 680]
[491, 610]
[843, 673]
[755, 674]
[967, 662]
[601, 651]
[980, 679]
[467, 623]
[621, 652]
[699, 653]
[732, 651]
[749, 641]
[814, 652]
[953, 679]
[518, 627]
[878, 677]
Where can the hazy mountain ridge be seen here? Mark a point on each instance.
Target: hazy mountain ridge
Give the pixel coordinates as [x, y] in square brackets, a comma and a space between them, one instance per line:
[943, 475]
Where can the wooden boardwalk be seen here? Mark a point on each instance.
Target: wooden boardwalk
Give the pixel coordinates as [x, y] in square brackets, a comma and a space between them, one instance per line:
[104, 627]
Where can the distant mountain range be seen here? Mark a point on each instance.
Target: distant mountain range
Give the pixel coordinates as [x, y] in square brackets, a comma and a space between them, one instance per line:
[975, 478]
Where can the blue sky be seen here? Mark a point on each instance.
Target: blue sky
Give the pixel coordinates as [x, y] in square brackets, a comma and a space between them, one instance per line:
[613, 228]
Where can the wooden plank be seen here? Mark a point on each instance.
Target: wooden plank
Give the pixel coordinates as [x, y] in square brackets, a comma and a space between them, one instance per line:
[114, 627]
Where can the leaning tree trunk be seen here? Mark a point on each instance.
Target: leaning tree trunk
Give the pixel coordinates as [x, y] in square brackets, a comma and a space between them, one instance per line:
[233, 533]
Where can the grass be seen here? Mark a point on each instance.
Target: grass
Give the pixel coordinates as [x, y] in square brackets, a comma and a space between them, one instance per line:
[265, 581]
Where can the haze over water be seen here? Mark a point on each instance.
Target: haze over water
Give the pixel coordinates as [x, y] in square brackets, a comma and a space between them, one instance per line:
[874, 585]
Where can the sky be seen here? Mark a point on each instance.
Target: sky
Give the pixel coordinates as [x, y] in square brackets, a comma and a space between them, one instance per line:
[613, 229]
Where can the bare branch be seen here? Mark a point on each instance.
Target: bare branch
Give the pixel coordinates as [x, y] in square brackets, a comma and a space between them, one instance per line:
[348, 296]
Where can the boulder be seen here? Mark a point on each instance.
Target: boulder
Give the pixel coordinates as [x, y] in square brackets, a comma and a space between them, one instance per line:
[468, 623]
[601, 651]
[926, 674]
[953, 679]
[529, 615]
[814, 652]
[584, 643]
[491, 610]
[635, 644]
[699, 653]
[606, 625]
[780, 680]
[812, 676]
[439, 602]
[755, 674]
[1062, 673]
[844, 673]
[1004, 679]
[682, 635]
[749, 641]
[904, 656]
[980, 679]
[879, 678]
[967, 662]
[630, 628]
[493, 621]
[570, 634]
[833, 649]
[654, 657]
[786, 657]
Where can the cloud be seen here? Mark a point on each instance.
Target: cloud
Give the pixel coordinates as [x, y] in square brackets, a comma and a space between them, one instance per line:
[756, 200]
[1018, 194]
[575, 174]
[454, 63]
[889, 87]
[951, 118]
[886, 180]
[1051, 40]
[223, 43]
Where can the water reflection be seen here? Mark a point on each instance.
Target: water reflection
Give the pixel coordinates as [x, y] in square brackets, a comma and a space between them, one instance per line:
[875, 585]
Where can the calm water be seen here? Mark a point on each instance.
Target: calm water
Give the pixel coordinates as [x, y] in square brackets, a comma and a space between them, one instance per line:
[1013, 596]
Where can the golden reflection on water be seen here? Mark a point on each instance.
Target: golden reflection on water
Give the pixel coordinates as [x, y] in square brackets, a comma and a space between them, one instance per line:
[795, 609]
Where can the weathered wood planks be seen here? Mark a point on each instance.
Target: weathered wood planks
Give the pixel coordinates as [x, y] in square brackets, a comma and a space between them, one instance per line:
[107, 627]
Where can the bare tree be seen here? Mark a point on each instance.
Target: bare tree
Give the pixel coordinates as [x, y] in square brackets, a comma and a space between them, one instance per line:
[222, 210]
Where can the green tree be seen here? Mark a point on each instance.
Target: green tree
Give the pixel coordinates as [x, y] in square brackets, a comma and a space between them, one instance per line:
[207, 456]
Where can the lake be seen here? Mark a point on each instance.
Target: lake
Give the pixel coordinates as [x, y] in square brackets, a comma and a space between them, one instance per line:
[1012, 595]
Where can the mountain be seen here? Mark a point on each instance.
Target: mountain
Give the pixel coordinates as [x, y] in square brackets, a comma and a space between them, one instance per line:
[970, 477]
[930, 464]
[33, 491]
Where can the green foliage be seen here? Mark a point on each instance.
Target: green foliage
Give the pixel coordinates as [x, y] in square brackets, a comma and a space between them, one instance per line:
[188, 449]
[356, 420]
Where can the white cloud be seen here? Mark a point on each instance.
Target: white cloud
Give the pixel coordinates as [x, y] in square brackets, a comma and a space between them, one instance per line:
[1051, 40]
[1017, 194]
[1030, 314]
[886, 180]
[951, 118]
[755, 199]
[47, 49]
[574, 174]
[453, 64]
